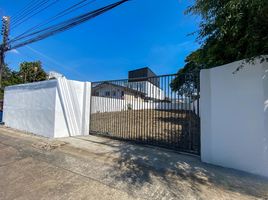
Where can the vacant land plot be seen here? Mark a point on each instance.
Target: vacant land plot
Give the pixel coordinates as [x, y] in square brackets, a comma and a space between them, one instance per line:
[171, 128]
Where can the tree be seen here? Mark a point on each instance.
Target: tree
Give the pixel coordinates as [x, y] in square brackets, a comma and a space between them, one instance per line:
[29, 72]
[32, 71]
[229, 30]
[9, 77]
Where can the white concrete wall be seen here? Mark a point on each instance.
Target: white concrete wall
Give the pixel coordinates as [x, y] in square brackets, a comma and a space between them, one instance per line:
[234, 117]
[55, 108]
[103, 104]
[72, 110]
[31, 107]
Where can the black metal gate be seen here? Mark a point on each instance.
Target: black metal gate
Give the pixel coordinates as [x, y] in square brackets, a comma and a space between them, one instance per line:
[161, 110]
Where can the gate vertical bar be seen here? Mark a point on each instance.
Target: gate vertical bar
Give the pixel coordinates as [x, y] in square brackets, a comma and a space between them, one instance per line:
[151, 111]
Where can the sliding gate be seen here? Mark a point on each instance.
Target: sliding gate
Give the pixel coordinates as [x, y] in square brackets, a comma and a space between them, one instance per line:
[162, 111]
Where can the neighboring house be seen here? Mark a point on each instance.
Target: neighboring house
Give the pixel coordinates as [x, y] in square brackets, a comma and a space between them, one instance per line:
[152, 92]
[111, 90]
[140, 85]
[143, 73]
[146, 81]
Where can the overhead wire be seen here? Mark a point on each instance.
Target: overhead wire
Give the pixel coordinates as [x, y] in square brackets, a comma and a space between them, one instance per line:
[23, 9]
[57, 16]
[44, 33]
[28, 10]
[39, 11]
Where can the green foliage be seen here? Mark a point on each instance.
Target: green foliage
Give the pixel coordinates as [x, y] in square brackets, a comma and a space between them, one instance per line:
[32, 71]
[129, 106]
[29, 72]
[229, 30]
[10, 77]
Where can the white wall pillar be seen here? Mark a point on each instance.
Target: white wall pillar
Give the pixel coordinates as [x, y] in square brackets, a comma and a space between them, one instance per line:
[234, 119]
[205, 111]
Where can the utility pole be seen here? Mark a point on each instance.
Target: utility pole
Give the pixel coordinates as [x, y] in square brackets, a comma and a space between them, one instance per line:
[4, 45]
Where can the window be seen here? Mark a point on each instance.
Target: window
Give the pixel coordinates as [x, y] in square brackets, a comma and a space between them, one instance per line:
[97, 94]
[114, 93]
[107, 93]
[122, 94]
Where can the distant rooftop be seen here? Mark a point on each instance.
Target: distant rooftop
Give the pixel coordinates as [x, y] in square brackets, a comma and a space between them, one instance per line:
[141, 73]
[144, 72]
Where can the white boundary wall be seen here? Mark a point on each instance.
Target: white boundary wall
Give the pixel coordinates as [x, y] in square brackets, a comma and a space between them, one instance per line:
[104, 104]
[55, 108]
[234, 117]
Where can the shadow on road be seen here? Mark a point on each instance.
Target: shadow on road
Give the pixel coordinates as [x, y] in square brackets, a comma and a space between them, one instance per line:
[138, 166]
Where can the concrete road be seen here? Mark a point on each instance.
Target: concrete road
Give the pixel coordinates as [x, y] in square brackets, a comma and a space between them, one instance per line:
[91, 167]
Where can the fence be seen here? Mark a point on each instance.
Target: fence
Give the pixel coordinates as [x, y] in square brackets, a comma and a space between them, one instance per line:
[104, 104]
[162, 110]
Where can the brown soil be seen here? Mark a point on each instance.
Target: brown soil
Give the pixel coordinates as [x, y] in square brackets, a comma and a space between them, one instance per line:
[175, 129]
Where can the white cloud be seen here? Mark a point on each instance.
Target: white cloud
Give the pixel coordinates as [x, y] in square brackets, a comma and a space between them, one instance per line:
[15, 51]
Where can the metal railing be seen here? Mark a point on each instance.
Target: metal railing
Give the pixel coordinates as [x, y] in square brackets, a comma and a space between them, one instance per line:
[161, 110]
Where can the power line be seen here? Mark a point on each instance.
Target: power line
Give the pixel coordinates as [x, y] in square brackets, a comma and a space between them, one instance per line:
[67, 24]
[23, 9]
[35, 6]
[53, 26]
[29, 9]
[57, 16]
[27, 18]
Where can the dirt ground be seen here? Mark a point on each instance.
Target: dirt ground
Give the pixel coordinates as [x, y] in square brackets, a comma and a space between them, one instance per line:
[172, 128]
[92, 167]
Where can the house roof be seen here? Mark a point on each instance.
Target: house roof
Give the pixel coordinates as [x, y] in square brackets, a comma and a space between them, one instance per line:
[144, 72]
[101, 85]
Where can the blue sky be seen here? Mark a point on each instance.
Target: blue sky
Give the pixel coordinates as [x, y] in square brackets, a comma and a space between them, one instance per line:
[140, 33]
